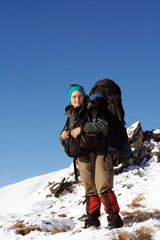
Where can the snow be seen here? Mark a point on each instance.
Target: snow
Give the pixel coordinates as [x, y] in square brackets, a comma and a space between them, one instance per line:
[131, 129]
[156, 131]
[27, 201]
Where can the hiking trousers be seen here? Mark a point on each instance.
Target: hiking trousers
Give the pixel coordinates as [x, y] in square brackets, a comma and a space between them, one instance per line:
[104, 174]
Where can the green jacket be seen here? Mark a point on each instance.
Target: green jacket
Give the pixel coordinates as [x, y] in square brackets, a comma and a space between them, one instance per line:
[95, 124]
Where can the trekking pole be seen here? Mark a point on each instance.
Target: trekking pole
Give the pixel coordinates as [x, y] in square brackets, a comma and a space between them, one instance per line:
[75, 169]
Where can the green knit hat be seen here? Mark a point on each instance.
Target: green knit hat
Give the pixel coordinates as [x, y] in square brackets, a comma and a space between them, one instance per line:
[74, 88]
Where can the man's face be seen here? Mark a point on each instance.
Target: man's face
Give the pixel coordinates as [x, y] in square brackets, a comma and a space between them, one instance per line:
[77, 99]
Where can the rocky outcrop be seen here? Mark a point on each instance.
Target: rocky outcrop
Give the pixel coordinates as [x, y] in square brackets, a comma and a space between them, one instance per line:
[156, 135]
[59, 189]
[144, 146]
[135, 136]
[152, 138]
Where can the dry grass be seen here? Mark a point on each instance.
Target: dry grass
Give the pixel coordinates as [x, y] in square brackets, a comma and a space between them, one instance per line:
[26, 230]
[137, 212]
[62, 215]
[125, 213]
[143, 233]
[18, 224]
[136, 202]
[53, 212]
[123, 235]
[139, 216]
[21, 228]
[156, 212]
[58, 230]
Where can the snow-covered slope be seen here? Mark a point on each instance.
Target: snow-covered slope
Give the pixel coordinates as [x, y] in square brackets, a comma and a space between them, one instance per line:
[31, 210]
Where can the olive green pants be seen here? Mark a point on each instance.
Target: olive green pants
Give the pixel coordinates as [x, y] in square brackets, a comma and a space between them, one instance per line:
[104, 173]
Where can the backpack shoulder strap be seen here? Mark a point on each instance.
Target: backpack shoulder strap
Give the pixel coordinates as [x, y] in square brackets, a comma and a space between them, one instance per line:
[66, 126]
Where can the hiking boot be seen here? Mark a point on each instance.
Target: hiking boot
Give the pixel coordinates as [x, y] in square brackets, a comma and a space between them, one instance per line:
[92, 219]
[114, 220]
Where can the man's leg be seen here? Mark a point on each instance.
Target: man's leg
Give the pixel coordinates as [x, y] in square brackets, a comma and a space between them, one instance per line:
[93, 202]
[104, 174]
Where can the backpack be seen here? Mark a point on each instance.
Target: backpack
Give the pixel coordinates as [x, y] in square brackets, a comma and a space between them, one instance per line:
[107, 94]
[84, 143]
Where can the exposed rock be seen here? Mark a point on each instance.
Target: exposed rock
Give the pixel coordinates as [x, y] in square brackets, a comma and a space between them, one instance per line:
[135, 136]
[156, 135]
[140, 217]
[148, 135]
[142, 146]
[60, 189]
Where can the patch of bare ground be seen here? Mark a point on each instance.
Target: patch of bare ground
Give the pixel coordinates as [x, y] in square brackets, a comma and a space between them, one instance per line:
[25, 228]
[144, 233]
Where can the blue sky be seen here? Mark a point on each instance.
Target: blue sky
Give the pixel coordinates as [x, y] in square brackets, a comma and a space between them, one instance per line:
[45, 45]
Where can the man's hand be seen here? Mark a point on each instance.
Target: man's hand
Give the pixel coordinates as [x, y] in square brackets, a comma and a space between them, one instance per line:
[65, 135]
[75, 132]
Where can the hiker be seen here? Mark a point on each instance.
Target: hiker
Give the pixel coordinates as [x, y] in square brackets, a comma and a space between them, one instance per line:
[95, 166]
